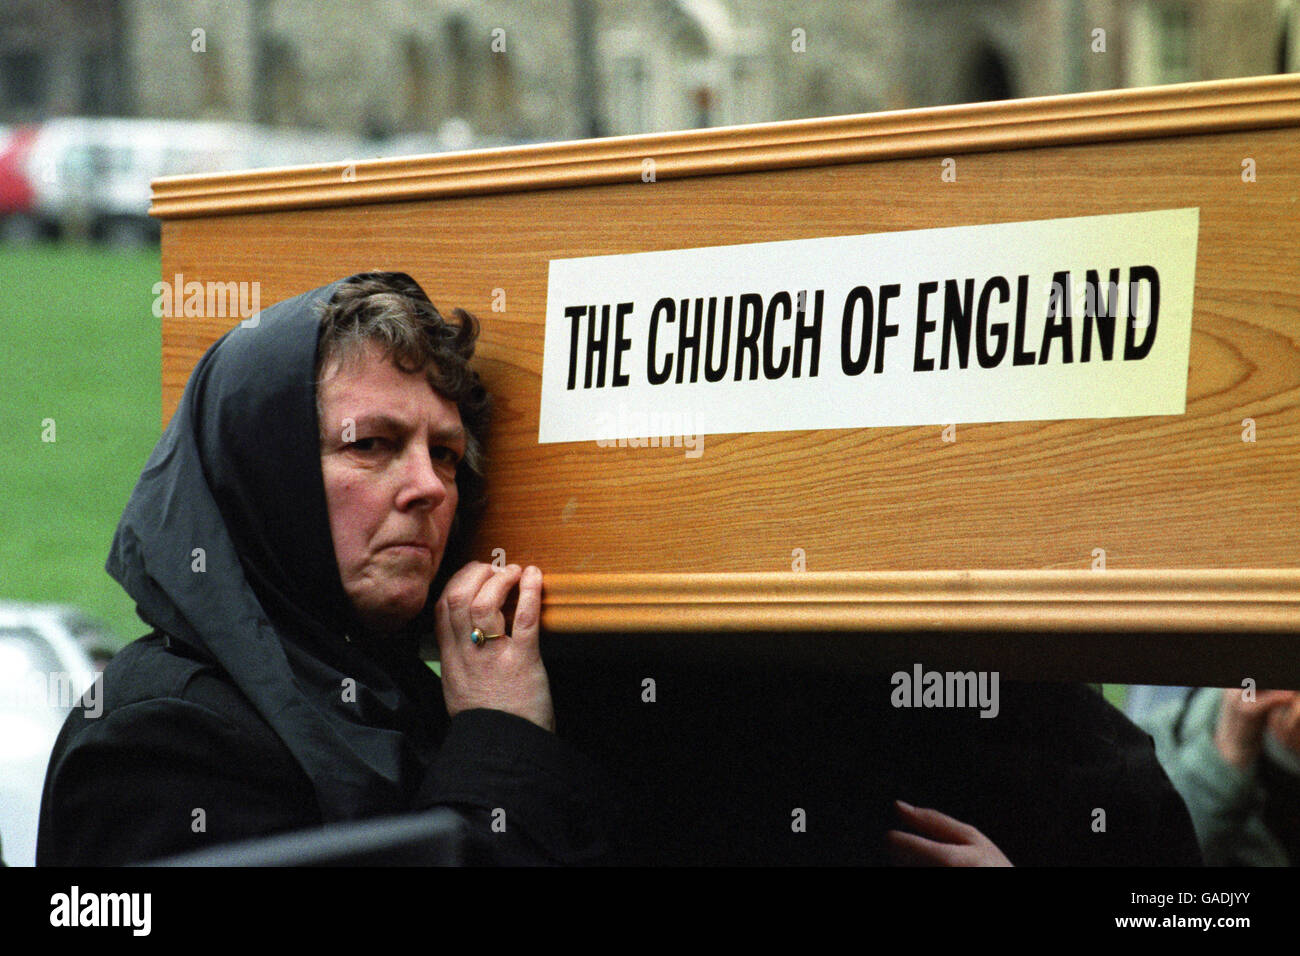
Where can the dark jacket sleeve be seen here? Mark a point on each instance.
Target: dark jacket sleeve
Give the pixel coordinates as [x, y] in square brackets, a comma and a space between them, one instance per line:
[180, 761]
[530, 798]
[162, 777]
[165, 777]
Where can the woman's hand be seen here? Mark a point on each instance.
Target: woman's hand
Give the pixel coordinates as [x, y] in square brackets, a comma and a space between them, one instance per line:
[954, 844]
[504, 673]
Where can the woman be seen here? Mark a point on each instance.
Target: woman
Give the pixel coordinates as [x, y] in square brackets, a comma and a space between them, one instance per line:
[284, 542]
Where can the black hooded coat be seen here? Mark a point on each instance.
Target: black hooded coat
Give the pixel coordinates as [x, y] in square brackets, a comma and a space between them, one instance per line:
[256, 706]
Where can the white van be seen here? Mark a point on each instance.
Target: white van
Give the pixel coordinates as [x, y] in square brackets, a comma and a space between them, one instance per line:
[44, 671]
[91, 176]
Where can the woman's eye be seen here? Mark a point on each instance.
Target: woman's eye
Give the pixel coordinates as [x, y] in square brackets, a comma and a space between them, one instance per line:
[367, 444]
[446, 455]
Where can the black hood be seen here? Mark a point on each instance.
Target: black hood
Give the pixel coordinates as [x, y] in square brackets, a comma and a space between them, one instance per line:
[237, 473]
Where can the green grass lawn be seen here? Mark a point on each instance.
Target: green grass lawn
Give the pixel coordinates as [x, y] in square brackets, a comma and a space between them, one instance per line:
[78, 344]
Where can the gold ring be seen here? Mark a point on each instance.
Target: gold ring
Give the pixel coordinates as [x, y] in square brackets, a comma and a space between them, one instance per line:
[478, 637]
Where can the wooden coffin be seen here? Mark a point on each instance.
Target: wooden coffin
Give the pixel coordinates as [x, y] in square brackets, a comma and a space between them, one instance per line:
[982, 551]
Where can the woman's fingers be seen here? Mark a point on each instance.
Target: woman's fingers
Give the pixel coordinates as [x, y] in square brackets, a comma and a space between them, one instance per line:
[485, 607]
[935, 824]
[908, 849]
[954, 844]
[477, 595]
[473, 595]
[528, 613]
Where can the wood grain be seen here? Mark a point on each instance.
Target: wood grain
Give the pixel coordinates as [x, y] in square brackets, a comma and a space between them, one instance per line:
[1177, 496]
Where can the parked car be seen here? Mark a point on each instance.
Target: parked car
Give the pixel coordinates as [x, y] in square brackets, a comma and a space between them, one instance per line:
[18, 218]
[91, 176]
[46, 668]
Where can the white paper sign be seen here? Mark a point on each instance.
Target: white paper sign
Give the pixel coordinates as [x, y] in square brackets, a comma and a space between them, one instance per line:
[1088, 317]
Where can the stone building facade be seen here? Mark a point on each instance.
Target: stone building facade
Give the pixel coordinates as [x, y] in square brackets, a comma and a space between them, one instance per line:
[519, 70]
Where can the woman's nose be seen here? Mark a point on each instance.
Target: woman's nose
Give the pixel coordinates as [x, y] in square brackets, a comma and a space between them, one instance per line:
[423, 481]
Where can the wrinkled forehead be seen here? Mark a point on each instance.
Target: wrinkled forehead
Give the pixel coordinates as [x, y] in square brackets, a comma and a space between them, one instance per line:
[368, 385]
[351, 355]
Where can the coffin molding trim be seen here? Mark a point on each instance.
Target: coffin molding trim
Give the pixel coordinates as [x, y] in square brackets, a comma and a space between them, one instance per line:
[1077, 118]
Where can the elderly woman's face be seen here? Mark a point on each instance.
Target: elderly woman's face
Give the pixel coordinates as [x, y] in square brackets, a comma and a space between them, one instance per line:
[389, 449]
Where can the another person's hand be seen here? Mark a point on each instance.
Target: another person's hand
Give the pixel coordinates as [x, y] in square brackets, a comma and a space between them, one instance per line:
[505, 673]
[954, 843]
[1284, 724]
[1239, 735]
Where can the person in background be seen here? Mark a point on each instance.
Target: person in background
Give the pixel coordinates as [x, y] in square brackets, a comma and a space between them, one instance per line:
[1234, 756]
